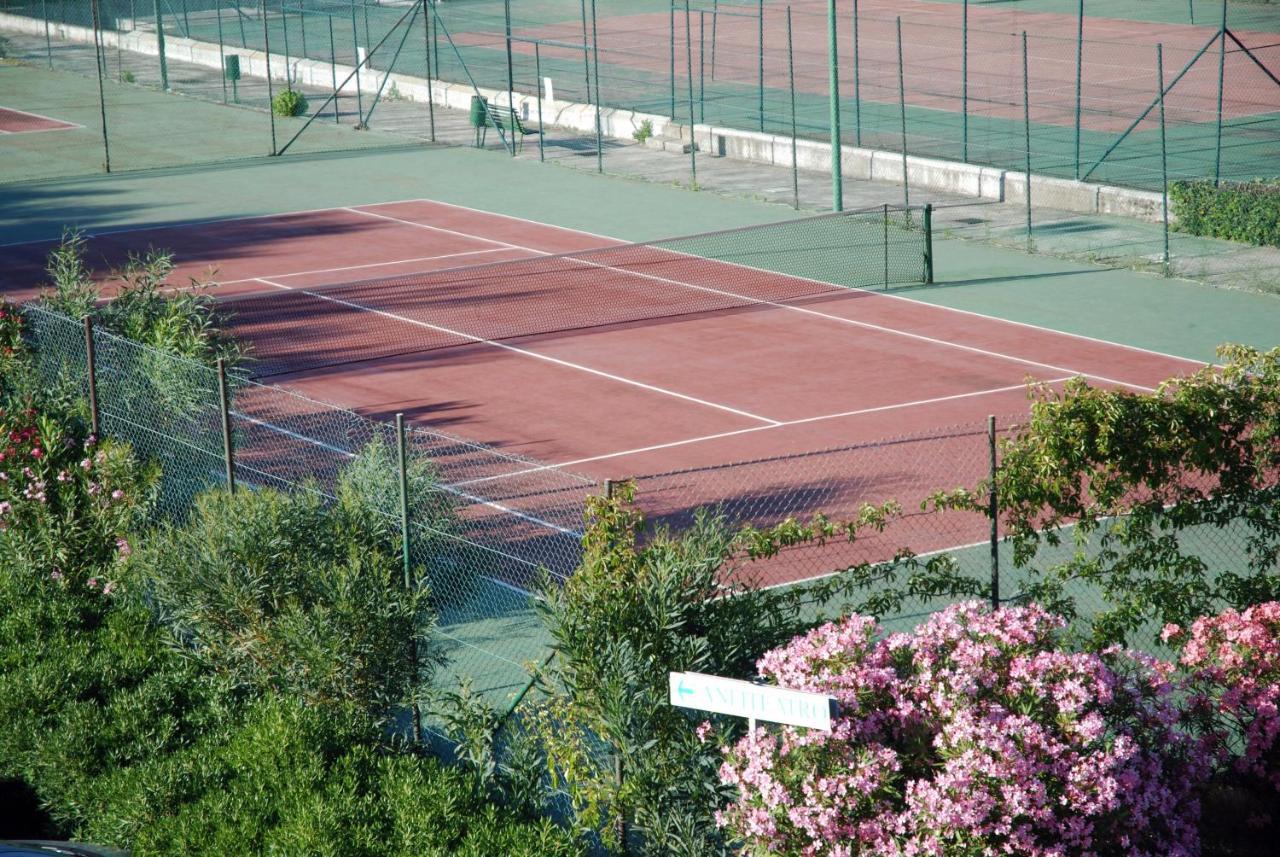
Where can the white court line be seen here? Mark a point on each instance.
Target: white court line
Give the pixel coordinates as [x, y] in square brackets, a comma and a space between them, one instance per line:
[358, 267]
[448, 231]
[752, 429]
[893, 331]
[526, 353]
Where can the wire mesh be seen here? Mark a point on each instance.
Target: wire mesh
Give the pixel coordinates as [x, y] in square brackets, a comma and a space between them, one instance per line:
[297, 329]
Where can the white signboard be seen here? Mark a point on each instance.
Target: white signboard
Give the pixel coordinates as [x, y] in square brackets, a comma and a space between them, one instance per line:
[753, 701]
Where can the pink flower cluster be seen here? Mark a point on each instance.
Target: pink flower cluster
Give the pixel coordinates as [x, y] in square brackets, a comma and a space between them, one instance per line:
[976, 734]
[1233, 661]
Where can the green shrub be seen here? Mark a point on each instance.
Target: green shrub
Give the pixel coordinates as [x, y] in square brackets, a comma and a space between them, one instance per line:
[1244, 211]
[644, 132]
[290, 102]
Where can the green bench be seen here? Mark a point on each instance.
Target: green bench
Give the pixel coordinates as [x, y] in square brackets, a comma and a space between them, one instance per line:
[484, 116]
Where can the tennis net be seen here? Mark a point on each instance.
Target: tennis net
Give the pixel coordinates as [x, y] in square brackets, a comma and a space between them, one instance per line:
[665, 281]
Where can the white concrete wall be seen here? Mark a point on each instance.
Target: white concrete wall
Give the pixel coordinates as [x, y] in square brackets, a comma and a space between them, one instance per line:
[856, 164]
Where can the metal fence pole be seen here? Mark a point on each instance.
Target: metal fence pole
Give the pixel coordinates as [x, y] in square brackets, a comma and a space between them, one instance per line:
[715, 18]
[164, 65]
[760, 60]
[586, 57]
[222, 55]
[595, 65]
[403, 461]
[1222, 62]
[302, 25]
[244, 39]
[91, 369]
[857, 82]
[671, 40]
[702, 66]
[1026, 126]
[266, 41]
[1164, 155]
[928, 243]
[186, 20]
[993, 512]
[48, 40]
[537, 66]
[355, 43]
[791, 87]
[333, 70]
[833, 70]
[885, 245]
[1079, 76]
[902, 112]
[100, 62]
[688, 58]
[224, 406]
[284, 26]
[511, 75]
[964, 81]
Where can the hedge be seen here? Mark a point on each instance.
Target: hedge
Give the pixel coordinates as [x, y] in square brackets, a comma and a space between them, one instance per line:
[1244, 211]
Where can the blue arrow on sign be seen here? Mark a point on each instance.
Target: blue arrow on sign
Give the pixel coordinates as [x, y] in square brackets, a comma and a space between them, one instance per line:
[682, 690]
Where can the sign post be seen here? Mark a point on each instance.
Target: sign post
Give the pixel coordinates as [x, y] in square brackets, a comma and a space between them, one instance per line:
[753, 701]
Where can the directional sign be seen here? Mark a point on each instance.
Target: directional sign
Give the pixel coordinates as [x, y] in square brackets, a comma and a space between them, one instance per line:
[753, 701]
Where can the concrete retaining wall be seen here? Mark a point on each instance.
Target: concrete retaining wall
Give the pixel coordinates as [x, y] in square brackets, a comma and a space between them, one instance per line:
[856, 164]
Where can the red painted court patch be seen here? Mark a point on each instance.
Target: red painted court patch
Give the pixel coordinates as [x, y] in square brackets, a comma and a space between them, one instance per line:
[21, 122]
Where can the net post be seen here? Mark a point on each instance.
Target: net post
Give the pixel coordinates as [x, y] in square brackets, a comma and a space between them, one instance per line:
[595, 67]
[164, 65]
[91, 371]
[693, 135]
[760, 60]
[511, 82]
[1164, 154]
[902, 112]
[791, 87]
[48, 40]
[100, 62]
[224, 406]
[833, 69]
[537, 70]
[1026, 125]
[857, 83]
[928, 243]
[993, 511]
[266, 42]
[964, 81]
[1222, 62]
[1079, 76]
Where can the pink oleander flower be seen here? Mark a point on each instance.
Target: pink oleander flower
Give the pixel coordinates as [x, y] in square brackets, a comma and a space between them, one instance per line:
[62, 476]
[976, 733]
[109, 588]
[117, 494]
[123, 548]
[85, 464]
[704, 731]
[1170, 631]
[55, 575]
[92, 583]
[5, 506]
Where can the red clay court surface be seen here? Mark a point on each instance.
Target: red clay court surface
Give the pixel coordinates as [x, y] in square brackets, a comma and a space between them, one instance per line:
[688, 391]
[21, 122]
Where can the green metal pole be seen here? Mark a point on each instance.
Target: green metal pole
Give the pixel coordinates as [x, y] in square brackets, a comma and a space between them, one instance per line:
[1026, 126]
[1222, 62]
[91, 372]
[1079, 76]
[407, 563]
[186, 20]
[355, 42]
[964, 81]
[100, 61]
[902, 112]
[993, 512]
[222, 55]
[244, 39]
[1164, 154]
[715, 18]
[284, 26]
[595, 65]
[228, 446]
[671, 31]
[760, 61]
[928, 243]
[1191, 10]
[511, 79]
[302, 25]
[702, 66]
[266, 41]
[48, 41]
[333, 70]
[857, 82]
[586, 57]
[833, 67]
[537, 65]
[164, 65]
[688, 58]
[791, 87]
[431, 96]
[884, 245]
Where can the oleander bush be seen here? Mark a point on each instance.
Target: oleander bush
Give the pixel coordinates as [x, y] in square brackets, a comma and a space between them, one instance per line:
[1238, 211]
[289, 102]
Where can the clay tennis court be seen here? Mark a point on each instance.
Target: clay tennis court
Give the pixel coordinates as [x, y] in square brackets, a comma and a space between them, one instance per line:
[601, 358]
[21, 122]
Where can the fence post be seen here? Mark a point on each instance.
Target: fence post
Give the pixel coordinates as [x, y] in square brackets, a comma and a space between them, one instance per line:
[702, 65]
[1026, 125]
[833, 63]
[537, 70]
[964, 81]
[284, 27]
[48, 41]
[224, 406]
[403, 461]
[595, 65]
[511, 81]
[760, 60]
[1164, 155]
[1080, 75]
[266, 42]
[164, 65]
[355, 46]
[91, 368]
[715, 17]
[671, 33]
[586, 58]
[791, 86]
[993, 511]
[222, 55]
[928, 243]
[902, 112]
[885, 246]
[857, 82]
[100, 62]
[1222, 62]
[688, 58]
[333, 70]
[431, 95]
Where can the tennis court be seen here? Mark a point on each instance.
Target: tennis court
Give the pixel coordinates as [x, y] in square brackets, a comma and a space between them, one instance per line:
[615, 360]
